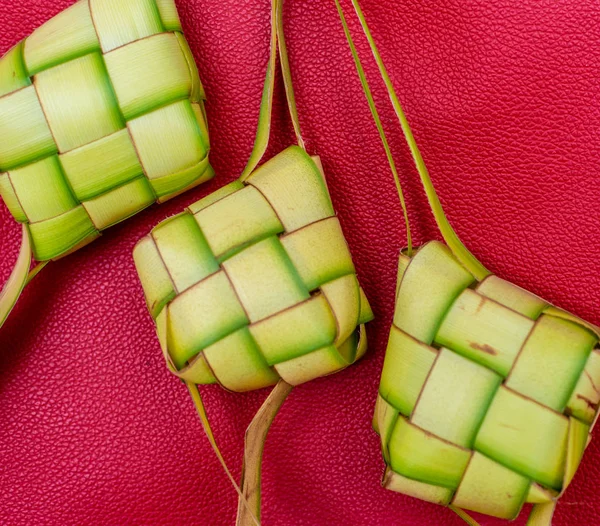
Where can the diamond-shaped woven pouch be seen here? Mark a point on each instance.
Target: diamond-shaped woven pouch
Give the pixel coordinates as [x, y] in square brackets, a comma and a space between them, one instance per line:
[255, 282]
[488, 393]
[101, 114]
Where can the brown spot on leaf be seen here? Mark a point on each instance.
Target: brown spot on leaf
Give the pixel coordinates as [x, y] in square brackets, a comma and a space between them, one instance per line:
[480, 304]
[483, 347]
[507, 426]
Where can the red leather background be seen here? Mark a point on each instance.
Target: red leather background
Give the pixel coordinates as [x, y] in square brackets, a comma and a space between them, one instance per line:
[504, 100]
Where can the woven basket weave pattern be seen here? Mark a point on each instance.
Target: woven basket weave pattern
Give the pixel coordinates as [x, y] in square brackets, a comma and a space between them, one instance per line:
[101, 114]
[483, 387]
[255, 282]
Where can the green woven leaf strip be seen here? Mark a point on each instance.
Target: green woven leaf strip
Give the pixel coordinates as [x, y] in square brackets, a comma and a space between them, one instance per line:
[123, 202]
[119, 23]
[34, 183]
[540, 495]
[54, 237]
[13, 73]
[69, 35]
[414, 488]
[169, 15]
[137, 74]
[24, 132]
[98, 167]
[83, 80]
[10, 198]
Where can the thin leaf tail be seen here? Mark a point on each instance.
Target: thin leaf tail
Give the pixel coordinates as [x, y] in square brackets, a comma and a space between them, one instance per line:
[35, 271]
[541, 514]
[263, 130]
[375, 113]
[287, 77]
[464, 516]
[197, 399]
[256, 436]
[18, 278]
[448, 233]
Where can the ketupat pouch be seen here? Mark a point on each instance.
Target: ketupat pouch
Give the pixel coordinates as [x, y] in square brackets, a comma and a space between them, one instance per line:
[254, 285]
[101, 115]
[488, 393]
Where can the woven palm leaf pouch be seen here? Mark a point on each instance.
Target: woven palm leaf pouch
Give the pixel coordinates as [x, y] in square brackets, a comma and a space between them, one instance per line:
[101, 115]
[254, 285]
[488, 393]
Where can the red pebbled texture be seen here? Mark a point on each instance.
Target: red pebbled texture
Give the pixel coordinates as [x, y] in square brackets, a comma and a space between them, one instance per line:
[503, 98]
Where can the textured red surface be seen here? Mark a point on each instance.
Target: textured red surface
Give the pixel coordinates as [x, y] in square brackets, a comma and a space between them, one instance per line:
[503, 98]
